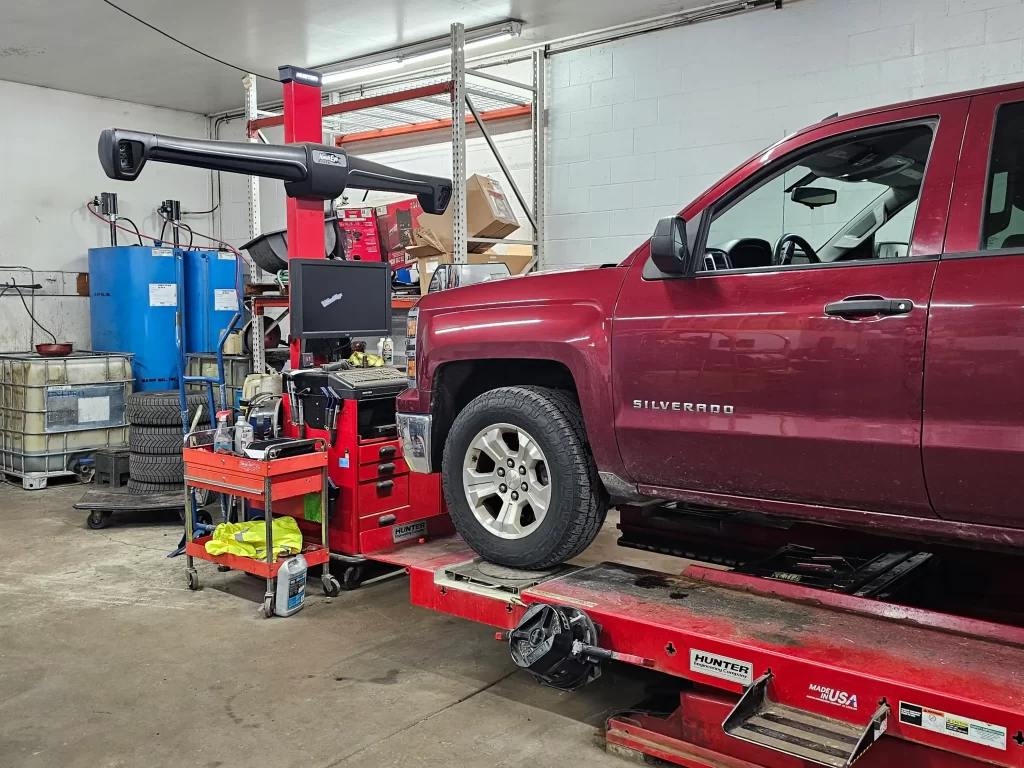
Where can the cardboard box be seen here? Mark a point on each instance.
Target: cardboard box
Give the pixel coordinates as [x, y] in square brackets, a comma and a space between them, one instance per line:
[425, 243]
[359, 228]
[395, 224]
[517, 258]
[488, 214]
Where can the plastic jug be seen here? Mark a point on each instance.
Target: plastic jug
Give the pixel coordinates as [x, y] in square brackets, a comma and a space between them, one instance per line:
[291, 586]
[243, 435]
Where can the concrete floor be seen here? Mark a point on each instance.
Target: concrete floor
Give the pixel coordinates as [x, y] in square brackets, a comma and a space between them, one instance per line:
[108, 660]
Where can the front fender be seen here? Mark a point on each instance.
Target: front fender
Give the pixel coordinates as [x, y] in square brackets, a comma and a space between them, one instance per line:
[574, 331]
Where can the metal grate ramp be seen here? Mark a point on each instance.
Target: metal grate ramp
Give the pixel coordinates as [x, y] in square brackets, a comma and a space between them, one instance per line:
[796, 732]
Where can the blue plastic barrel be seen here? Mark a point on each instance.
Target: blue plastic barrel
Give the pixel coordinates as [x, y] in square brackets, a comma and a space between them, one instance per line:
[211, 299]
[133, 297]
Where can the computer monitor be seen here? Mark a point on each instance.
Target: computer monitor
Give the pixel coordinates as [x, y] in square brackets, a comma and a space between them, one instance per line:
[340, 298]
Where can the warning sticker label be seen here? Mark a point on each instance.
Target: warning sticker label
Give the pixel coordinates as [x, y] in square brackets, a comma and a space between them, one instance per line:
[225, 300]
[958, 726]
[163, 295]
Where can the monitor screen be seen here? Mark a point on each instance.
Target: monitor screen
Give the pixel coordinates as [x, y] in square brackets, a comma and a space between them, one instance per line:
[340, 298]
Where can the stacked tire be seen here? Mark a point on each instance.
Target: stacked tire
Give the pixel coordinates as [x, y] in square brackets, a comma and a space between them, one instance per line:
[155, 461]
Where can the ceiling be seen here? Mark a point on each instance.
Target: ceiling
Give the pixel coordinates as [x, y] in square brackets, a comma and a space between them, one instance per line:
[86, 46]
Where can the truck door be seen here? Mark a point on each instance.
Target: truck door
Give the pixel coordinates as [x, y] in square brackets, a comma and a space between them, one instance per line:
[791, 366]
[974, 375]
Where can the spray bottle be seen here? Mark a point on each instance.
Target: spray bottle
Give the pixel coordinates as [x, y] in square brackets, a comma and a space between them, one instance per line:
[223, 439]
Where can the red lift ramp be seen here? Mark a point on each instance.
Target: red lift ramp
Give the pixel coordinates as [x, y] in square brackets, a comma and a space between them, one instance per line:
[779, 681]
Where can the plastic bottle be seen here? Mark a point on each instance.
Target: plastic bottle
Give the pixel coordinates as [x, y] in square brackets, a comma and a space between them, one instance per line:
[291, 586]
[388, 350]
[243, 435]
[223, 439]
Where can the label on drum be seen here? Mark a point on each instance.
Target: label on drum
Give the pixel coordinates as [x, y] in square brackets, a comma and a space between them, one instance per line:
[225, 300]
[163, 295]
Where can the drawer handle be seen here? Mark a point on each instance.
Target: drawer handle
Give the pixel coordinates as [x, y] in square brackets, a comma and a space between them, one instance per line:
[383, 469]
[385, 485]
[387, 450]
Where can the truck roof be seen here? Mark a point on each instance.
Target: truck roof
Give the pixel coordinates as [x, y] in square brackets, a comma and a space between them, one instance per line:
[916, 102]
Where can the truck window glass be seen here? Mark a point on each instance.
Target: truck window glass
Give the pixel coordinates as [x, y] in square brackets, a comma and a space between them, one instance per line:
[876, 180]
[1004, 205]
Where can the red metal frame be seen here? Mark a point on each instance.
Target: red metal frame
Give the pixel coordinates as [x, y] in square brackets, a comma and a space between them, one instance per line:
[302, 122]
[433, 125]
[356, 104]
[776, 627]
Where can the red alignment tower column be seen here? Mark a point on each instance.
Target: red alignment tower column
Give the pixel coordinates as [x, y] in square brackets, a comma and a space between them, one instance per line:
[303, 122]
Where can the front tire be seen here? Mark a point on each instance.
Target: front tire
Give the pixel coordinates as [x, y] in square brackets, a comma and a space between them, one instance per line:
[519, 479]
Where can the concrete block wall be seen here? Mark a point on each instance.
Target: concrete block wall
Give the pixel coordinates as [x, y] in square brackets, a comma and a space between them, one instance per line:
[639, 127]
[48, 169]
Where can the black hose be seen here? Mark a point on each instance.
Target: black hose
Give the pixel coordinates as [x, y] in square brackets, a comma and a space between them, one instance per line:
[137, 233]
[33, 317]
[200, 213]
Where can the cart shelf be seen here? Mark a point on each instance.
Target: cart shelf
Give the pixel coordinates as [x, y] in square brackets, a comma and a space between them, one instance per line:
[314, 554]
[285, 473]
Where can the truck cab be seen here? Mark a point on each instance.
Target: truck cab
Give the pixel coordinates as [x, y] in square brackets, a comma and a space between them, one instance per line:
[833, 332]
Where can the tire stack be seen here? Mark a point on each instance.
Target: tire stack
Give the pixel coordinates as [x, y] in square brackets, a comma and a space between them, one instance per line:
[155, 461]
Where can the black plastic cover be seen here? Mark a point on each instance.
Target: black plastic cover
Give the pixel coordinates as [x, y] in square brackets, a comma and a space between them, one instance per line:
[309, 171]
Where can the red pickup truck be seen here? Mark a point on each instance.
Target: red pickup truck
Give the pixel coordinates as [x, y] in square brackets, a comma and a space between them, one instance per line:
[834, 332]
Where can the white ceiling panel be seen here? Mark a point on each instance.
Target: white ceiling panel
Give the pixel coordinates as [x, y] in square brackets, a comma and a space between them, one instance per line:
[88, 47]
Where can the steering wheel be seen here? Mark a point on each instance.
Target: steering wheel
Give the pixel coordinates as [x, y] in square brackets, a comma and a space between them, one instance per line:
[784, 247]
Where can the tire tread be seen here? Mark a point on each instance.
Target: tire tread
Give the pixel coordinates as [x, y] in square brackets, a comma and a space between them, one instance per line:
[157, 469]
[162, 408]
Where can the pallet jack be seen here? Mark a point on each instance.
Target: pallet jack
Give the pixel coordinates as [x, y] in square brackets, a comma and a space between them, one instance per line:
[801, 659]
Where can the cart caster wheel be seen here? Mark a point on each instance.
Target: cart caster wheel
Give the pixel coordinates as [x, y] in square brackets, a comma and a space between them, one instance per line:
[352, 577]
[193, 580]
[268, 606]
[332, 587]
[97, 520]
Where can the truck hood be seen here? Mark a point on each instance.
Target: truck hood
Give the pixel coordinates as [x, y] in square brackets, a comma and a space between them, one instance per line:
[550, 285]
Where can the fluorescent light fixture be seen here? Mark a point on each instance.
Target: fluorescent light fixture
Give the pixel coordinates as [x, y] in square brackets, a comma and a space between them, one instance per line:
[499, 38]
[370, 69]
[429, 50]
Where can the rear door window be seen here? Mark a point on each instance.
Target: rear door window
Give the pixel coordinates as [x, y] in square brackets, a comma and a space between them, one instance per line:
[1003, 215]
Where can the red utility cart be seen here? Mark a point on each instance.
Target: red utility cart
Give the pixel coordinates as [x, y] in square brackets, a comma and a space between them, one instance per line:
[295, 471]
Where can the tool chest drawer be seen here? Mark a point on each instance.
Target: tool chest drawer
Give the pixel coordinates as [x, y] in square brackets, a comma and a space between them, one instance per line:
[381, 494]
[379, 453]
[383, 470]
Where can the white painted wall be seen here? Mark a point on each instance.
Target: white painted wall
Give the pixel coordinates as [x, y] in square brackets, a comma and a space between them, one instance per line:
[641, 126]
[48, 169]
